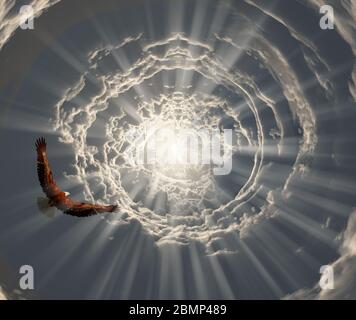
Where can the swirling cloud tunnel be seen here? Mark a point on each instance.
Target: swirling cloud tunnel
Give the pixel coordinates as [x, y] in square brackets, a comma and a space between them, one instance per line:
[264, 70]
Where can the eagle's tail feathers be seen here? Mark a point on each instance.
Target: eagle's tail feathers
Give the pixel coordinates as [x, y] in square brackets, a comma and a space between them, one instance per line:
[45, 207]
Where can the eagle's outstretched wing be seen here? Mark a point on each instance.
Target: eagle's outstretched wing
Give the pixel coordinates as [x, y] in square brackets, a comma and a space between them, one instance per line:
[44, 171]
[56, 195]
[86, 209]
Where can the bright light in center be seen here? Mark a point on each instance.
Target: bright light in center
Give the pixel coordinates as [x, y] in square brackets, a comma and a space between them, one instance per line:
[171, 147]
[174, 151]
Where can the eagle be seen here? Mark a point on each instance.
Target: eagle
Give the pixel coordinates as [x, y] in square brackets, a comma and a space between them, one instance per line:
[56, 198]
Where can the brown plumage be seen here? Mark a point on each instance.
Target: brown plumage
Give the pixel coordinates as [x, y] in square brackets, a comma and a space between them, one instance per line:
[56, 197]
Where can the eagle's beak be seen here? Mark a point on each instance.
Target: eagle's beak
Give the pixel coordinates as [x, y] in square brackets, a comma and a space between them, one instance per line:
[66, 193]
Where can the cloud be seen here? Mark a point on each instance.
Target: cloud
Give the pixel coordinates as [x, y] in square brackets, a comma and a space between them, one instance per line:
[345, 266]
[344, 271]
[177, 53]
[2, 294]
[241, 63]
[10, 20]
[73, 121]
[345, 16]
